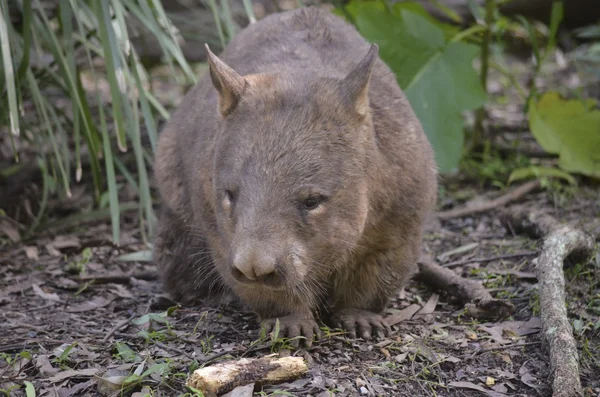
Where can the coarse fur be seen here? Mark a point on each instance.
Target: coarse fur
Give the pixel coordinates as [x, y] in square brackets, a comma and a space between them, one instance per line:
[298, 110]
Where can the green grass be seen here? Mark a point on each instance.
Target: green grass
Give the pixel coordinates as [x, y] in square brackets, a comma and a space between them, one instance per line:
[84, 139]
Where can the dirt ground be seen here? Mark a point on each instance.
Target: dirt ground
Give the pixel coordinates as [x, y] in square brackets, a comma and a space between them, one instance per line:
[77, 318]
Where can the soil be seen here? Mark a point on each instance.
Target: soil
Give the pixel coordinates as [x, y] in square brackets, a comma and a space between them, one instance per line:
[80, 319]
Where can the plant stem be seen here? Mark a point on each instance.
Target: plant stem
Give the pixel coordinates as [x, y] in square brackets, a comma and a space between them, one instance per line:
[490, 8]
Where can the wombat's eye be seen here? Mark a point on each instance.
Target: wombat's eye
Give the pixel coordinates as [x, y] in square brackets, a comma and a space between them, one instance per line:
[310, 203]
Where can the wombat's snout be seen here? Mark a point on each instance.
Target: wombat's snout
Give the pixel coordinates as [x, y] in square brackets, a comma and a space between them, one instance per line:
[258, 265]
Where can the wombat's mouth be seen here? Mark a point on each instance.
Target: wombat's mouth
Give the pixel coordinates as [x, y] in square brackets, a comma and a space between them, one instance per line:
[273, 281]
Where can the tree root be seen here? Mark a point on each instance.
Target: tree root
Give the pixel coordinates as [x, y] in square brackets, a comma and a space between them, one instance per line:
[560, 242]
[478, 301]
[534, 224]
[556, 329]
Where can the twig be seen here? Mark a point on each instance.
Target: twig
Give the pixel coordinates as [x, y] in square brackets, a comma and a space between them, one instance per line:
[475, 208]
[118, 278]
[479, 302]
[117, 327]
[503, 347]
[173, 349]
[491, 258]
[557, 333]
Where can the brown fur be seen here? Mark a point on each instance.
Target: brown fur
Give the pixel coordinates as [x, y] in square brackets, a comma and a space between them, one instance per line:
[305, 117]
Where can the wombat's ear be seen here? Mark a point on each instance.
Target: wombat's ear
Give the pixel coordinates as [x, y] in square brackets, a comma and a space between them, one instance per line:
[228, 83]
[355, 85]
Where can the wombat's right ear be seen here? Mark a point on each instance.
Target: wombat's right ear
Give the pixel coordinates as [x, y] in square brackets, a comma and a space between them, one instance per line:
[228, 83]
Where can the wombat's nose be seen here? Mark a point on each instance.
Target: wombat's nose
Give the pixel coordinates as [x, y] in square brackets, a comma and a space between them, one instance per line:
[255, 266]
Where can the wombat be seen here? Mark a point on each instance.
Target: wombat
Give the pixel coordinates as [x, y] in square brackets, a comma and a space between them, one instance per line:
[295, 175]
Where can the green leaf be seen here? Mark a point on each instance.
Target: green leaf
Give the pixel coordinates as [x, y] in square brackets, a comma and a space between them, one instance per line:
[126, 353]
[436, 74]
[29, 389]
[540, 172]
[569, 128]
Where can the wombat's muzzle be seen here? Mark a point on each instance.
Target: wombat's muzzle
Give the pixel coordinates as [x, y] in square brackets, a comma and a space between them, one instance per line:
[255, 263]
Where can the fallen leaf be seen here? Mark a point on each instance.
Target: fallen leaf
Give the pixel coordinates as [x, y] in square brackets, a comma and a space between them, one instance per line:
[10, 231]
[402, 315]
[500, 388]
[472, 386]
[62, 242]
[32, 252]
[400, 357]
[495, 333]
[42, 363]
[429, 306]
[17, 287]
[93, 304]
[45, 295]
[76, 390]
[489, 381]
[241, 391]
[83, 373]
[522, 328]
[529, 380]
[121, 291]
[51, 250]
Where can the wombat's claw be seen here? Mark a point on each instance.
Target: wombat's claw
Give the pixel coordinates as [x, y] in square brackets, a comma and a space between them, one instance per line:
[294, 326]
[361, 323]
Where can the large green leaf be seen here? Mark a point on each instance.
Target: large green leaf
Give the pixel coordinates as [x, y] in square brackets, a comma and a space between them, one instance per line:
[436, 73]
[569, 128]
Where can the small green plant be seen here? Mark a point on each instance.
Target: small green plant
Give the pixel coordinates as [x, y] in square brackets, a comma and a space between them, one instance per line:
[78, 267]
[11, 360]
[63, 360]
[150, 331]
[160, 370]
[194, 393]
[125, 353]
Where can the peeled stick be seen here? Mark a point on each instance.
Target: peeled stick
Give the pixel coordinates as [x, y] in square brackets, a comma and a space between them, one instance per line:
[224, 377]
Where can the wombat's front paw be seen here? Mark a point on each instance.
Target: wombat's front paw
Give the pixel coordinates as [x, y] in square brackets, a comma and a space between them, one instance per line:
[293, 326]
[361, 323]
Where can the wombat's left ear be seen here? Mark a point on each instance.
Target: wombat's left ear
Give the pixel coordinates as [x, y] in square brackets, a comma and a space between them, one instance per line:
[355, 85]
[228, 83]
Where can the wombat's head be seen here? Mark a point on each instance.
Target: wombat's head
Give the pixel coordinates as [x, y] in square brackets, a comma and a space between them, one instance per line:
[292, 164]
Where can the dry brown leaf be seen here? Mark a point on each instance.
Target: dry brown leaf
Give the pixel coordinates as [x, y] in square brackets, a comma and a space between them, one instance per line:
[45, 295]
[62, 242]
[402, 315]
[10, 231]
[93, 304]
[242, 391]
[32, 252]
[82, 373]
[429, 306]
[473, 386]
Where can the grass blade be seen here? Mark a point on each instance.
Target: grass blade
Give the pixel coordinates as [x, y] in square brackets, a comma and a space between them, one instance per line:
[217, 18]
[9, 76]
[250, 10]
[228, 17]
[111, 179]
[114, 71]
